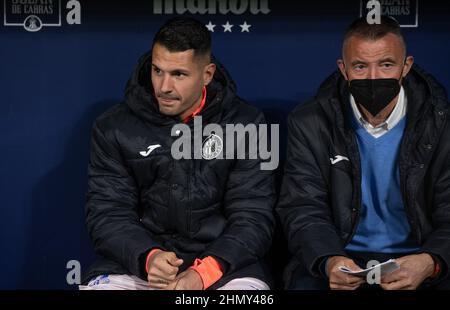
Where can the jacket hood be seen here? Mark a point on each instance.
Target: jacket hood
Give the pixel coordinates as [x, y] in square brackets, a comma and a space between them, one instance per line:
[139, 94]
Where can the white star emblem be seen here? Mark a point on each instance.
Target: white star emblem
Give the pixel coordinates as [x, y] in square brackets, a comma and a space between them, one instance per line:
[227, 27]
[245, 27]
[210, 26]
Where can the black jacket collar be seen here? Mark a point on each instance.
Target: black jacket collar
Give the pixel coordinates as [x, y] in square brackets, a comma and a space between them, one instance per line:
[421, 89]
[139, 95]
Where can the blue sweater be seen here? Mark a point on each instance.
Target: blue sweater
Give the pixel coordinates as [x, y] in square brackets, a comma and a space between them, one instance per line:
[383, 226]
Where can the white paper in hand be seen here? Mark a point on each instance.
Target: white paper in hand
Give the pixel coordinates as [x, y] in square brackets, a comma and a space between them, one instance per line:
[385, 268]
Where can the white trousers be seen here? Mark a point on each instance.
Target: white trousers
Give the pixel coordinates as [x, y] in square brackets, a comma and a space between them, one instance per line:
[131, 282]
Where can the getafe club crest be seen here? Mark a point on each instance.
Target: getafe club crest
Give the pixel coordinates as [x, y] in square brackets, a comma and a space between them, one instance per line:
[212, 147]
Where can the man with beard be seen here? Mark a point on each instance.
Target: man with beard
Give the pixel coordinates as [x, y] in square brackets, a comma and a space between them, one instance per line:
[161, 223]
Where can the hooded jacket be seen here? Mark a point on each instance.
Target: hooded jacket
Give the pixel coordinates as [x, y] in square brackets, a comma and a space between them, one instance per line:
[193, 207]
[320, 203]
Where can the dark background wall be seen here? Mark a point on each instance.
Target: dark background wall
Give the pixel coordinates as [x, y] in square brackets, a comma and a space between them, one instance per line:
[56, 81]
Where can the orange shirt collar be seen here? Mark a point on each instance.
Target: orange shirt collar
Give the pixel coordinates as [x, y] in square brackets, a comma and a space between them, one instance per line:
[199, 109]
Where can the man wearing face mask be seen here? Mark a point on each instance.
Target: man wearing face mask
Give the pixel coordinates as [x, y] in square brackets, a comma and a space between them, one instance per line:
[367, 174]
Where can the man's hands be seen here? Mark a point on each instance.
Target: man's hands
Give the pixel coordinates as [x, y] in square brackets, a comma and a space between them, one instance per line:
[162, 273]
[414, 269]
[162, 269]
[339, 280]
[187, 280]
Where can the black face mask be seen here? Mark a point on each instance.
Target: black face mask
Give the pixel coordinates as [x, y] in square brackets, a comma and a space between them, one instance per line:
[374, 94]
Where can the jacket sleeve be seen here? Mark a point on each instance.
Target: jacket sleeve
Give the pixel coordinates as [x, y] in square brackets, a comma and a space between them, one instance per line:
[303, 206]
[438, 242]
[248, 207]
[112, 217]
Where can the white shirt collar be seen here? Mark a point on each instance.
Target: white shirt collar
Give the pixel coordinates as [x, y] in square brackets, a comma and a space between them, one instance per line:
[394, 118]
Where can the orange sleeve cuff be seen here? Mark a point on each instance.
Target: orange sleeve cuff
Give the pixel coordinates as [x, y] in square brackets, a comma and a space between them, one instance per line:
[209, 270]
[148, 257]
[437, 269]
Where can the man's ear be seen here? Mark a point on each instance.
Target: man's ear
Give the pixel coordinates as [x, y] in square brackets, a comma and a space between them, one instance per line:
[408, 65]
[341, 66]
[208, 73]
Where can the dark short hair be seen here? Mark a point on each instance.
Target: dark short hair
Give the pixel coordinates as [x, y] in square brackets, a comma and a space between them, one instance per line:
[182, 33]
[360, 28]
